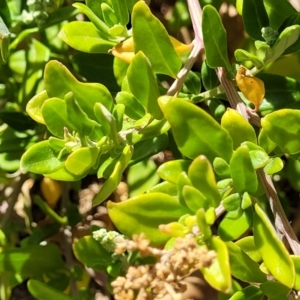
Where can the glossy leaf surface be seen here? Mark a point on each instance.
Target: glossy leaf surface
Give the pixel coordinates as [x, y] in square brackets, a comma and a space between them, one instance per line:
[215, 41]
[144, 89]
[195, 132]
[157, 46]
[218, 273]
[235, 223]
[249, 293]
[242, 172]
[272, 250]
[242, 266]
[239, 129]
[145, 213]
[202, 177]
[91, 253]
[59, 81]
[74, 33]
[170, 170]
[41, 159]
[283, 128]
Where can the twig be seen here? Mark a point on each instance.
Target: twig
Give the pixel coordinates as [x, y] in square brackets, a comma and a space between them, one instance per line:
[181, 76]
[282, 224]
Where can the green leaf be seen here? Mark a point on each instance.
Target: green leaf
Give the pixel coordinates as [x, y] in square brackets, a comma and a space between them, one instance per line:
[192, 83]
[59, 81]
[141, 177]
[238, 128]
[234, 224]
[216, 108]
[296, 261]
[74, 33]
[215, 41]
[109, 15]
[29, 261]
[107, 120]
[264, 141]
[278, 88]
[211, 140]
[170, 170]
[242, 171]
[272, 250]
[209, 77]
[92, 254]
[146, 148]
[243, 55]
[78, 118]
[102, 28]
[218, 273]
[151, 37]
[114, 179]
[120, 8]
[4, 41]
[202, 224]
[255, 18]
[286, 38]
[249, 293]
[54, 114]
[242, 266]
[182, 181]
[278, 11]
[42, 291]
[81, 160]
[164, 187]
[194, 199]
[248, 246]
[283, 128]
[133, 108]
[273, 166]
[96, 68]
[258, 158]
[145, 213]
[64, 175]
[232, 202]
[34, 106]
[275, 290]
[202, 177]
[221, 167]
[145, 90]
[40, 159]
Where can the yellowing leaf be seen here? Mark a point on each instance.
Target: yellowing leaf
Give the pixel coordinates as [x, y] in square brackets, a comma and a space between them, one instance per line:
[180, 48]
[252, 88]
[51, 191]
[125, 51]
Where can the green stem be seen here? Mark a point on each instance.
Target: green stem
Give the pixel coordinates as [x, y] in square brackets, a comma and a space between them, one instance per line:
[68, 239]
[49, 211]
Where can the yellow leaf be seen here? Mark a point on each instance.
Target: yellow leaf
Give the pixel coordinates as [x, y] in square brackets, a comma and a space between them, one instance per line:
[252, 87]
[51, 191]
[125, 50]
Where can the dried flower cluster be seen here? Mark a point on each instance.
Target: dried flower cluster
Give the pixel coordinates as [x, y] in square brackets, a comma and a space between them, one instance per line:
[164, 277]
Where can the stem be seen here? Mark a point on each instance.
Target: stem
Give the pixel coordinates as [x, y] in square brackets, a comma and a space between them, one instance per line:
[181, 76]
[68, 238]
[49, 211]
[282, 224]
